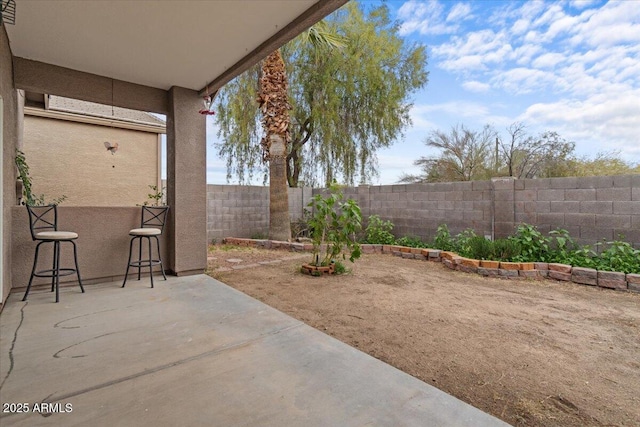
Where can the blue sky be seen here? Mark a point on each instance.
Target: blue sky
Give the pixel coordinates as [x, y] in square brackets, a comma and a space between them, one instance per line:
[567, 66]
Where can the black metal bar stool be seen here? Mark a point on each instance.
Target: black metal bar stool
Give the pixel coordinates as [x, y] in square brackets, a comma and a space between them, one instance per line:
[151, 226]
[43, 224]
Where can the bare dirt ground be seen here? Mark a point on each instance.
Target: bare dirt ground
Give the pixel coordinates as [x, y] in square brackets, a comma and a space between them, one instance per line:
[533, 353]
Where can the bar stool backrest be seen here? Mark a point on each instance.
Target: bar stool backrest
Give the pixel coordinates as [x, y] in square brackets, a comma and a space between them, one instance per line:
[42, 218]
[154, 217]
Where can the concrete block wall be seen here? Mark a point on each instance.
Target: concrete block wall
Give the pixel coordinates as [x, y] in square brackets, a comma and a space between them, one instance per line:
[243, 211]
[590, 208]
[418, 209]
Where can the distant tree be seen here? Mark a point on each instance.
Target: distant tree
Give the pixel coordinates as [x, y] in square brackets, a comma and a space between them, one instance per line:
[605, 163]
[346, 103]
[531, 157]
[464, 156]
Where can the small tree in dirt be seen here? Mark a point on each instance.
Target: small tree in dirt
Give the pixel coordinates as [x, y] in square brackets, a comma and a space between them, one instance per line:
[334, 223]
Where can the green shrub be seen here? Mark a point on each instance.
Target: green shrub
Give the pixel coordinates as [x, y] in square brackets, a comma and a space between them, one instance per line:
[335, 222]
[505, 250]
[619, 256]
[411, 241]
[462, 243]
[562, 247]
[443, 239]
[534, 247]
[480, 248]
[339, 268]
[379, 231]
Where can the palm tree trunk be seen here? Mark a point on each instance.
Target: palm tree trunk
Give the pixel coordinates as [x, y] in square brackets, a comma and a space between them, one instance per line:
[274, 104]
[279, 222]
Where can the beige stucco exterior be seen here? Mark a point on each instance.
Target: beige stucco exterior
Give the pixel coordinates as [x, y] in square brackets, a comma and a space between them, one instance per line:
[69, 158]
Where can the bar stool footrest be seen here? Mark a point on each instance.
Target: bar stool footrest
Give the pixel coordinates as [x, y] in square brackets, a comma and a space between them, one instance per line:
[145, 263]
[51, 272]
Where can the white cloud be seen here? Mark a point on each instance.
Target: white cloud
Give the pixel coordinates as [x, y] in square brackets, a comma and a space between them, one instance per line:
[574, 64]
[473, 51]
[524, 54]
[462, 109]
[614, 23]
[419, 115]
[424, 18]
[476, 86]
[521, 26]
[602, 122]
[581, 4]
[520, 80]
[459, 12]
[548, 60]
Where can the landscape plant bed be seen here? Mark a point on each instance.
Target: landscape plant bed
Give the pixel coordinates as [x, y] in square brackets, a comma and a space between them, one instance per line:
[531, 352]
[506, 270]
[317, 270]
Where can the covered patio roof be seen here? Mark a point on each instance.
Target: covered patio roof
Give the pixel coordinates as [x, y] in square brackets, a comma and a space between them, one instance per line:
[196, 45]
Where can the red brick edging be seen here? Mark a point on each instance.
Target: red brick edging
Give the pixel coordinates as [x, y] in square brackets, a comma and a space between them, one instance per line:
[505, 270]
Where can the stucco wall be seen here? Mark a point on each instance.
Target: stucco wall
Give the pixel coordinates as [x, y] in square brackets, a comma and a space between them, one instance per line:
[68, 158]
[9, 142]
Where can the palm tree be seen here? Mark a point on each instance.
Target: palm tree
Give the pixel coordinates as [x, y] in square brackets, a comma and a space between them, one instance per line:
[274, 104]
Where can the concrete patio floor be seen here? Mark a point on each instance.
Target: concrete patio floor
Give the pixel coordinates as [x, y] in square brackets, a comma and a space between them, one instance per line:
[195, 352]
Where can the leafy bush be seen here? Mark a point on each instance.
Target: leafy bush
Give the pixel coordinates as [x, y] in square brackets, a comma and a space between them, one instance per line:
[411, 241]
[530, 245]
[480, 248]
[340, 268]
[620, 256]
[463, 242]
[534, 247]
[379, 231]
[334, 222]
[443, 239]
[562, 246]
[505, 250]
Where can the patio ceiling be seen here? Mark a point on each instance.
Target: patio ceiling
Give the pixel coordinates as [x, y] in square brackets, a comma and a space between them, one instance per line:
[192, 44]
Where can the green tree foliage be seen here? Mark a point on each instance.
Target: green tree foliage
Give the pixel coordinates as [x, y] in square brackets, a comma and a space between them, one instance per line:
[466, 155]
[463, 156]
[602, 164]
[346, 103]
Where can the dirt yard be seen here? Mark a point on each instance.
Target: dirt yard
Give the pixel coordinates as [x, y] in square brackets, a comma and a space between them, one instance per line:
[533, 353]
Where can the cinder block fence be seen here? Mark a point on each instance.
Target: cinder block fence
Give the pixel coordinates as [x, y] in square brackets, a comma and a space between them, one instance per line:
[590, 208]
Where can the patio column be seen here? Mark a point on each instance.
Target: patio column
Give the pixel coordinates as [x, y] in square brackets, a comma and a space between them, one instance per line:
[186, 183]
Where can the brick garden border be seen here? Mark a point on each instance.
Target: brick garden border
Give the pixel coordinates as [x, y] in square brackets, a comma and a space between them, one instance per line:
[504, 270]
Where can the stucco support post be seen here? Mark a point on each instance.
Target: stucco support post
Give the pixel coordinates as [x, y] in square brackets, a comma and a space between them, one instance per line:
[186, 183]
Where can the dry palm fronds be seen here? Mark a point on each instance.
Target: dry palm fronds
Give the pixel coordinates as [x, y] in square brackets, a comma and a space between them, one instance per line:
[274, 102]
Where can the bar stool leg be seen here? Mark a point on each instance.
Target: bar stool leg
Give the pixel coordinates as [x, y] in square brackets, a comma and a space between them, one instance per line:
[150, 261]
[75, 258]
[128, 261]
[56, 271]
[53, 268]
[160, 258]
[139, 256]
[33, 271]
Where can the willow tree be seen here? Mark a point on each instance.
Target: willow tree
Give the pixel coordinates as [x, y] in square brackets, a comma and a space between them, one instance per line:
[345, 103]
